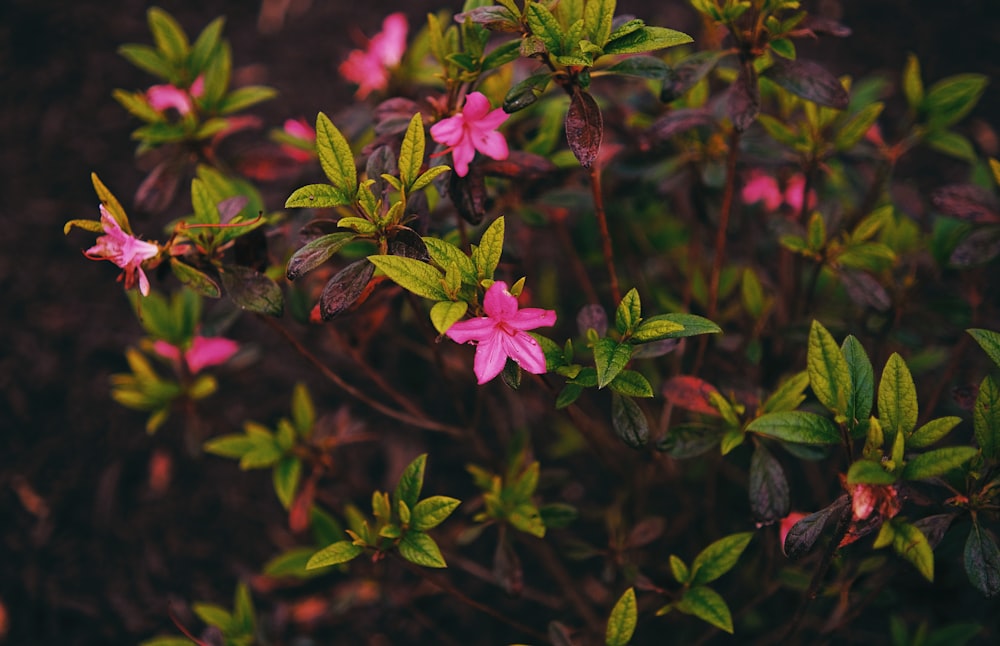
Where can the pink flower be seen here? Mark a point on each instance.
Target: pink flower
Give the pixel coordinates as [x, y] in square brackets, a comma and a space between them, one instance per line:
[126, 251]
[300, 129]
[369, 67]
[793, 193]
[204, 352]
[762, 188]
[161, 97]
[501, 334]
[472, 129]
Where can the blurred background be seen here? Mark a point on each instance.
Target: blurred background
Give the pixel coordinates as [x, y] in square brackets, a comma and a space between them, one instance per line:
[92, 550]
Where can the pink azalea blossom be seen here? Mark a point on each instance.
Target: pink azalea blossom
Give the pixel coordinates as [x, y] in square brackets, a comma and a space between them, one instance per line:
[369, 67]
[126, 251]
[501, 334]
[204, 352]
[300, 129]
[794, 193]
[472, 129]
[762, 188]
[161, 97]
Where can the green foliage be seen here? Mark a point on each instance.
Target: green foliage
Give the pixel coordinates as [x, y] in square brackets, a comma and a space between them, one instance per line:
[623, 619]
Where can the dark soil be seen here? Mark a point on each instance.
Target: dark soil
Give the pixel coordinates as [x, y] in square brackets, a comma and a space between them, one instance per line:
[89, 553]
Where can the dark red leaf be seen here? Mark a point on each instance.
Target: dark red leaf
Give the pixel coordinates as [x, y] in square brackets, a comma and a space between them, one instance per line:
[678, 121]
[346, 288]
[968, 202]
[584, 128]
[158, 189]
[769, 499]
[252, 290]
[646, 531]
[469, 194]
[406, 242]
[821, 25]
[690, 393]
[494, 18]
[863, 289]
[804, 534]
[979, 247]
[518, 165]
[593, 317]
[809, 80]
[688, 72]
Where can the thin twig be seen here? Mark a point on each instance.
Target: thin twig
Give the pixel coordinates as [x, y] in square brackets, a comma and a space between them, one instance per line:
[602, 222]
[419, 422]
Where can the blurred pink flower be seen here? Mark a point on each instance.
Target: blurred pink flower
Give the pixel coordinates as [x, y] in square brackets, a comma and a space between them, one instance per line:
[501, 334]
[126, 251]
[369, 68]
[793, 193]
[786, 526]
[762, 188]
[472, 129]
[204, 352]
[300, 129]
[161, 97]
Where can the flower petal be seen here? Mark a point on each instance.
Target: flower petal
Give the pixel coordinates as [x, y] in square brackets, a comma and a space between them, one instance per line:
[499, 304]
[491, 143]
[449, 131]
[490, 357]
[531, 317]
[476, 329]
[477, 106]
[461, 155]
[523, 349]
[209, 351]
[493, 120]
[389, 45]
[166, 350]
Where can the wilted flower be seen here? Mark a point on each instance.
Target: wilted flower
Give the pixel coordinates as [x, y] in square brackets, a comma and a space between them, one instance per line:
[472, 129]
[369, 67]
[501, 334]
[161, 97]
[126, 251]
[204, 352]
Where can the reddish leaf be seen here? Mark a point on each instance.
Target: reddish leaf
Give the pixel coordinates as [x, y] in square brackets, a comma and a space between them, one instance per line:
[769, 497]
[646, 531]
[405, 242]
[690, 393]
[469, 194]
[345, 289]
[688, 72]
[863, 289]
[678, 121]
[518, 165]
[593, 317]
[299, 513]
[821, 25]
[968, 202]
[809, 80]
[584, 128]
[157, 191]
[507, 570]
[978, 248]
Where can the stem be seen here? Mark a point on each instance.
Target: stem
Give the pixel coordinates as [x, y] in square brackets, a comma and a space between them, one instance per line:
[447, 587]
[419, 422]
[602, 222]
[579, 270]
[720, 240]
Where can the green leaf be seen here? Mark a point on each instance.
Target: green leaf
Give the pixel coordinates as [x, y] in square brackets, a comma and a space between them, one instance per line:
[335, 156]
[783, 47]
[486, 256]
[937, 462]
[411, 482]
[148, 59]
[932, 431]
[951, 144]
[303, 411]
[318, 196]
[167, 640]
[623, 619]
[94, 226]
[523, 488]
[431, 512]
[855, 128]
[205, 45]
[197, 280]
[829, 374]
[800, 427]
[502, 54]
[910, 543]
[950, 99]
[316, 252]
[657, 328]
[244, 97]
[168, 35]
[339, 552]
[628, 421]
[445, 313]
[986, 418]
[417, 547]
[411, 153]
[897, 397]
[429, 176]
[610, 358]
[679, 569]
[706, 604]
[646, 39]
[982, 561]
[693, 325]
[447, 255]
[913, 85]
[251, 290]
[413, 275]
[286, 477]
[869, 472]
[647, 67]
[526, 518]
[244, 619]
[544, 25]
[526, 92]
[597, 18]
[988, 341]
[213, 615]
[110, 203]
[718, 558]
[234, 445]
[859, 366]
[788, 395]
[629, 312]
[631, 384]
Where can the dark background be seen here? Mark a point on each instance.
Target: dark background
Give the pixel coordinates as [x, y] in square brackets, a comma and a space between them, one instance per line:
[88, 553]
